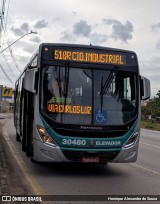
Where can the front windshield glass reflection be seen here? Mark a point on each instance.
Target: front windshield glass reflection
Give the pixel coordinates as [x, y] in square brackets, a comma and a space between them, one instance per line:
[67, 95]
[88, 96]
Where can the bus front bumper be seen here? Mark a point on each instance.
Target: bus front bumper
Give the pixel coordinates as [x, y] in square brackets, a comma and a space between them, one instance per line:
[47, 153]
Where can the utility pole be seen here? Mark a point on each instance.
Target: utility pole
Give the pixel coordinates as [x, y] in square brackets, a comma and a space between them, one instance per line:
[32, 32]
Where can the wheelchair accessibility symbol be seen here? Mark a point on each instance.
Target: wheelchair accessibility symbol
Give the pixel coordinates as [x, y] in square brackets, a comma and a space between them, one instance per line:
[100, 117]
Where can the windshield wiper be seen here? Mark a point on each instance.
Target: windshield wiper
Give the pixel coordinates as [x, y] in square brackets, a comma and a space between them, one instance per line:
[105, 87]
[101, 93]
[66, 82]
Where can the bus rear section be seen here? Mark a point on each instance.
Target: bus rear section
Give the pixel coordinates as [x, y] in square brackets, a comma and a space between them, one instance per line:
[85, 107]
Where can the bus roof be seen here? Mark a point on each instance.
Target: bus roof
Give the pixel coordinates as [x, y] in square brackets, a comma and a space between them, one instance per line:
[82, 46]
[77, 53]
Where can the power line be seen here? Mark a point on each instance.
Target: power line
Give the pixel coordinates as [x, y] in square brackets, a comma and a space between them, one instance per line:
[4, 57]
[6, 74]
[3, 27]
[6, 33]
[1, 14]
[7, 13]
[8, 43]
[3, 6]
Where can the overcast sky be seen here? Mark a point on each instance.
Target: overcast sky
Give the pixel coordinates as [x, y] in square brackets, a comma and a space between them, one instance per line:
[127, 24]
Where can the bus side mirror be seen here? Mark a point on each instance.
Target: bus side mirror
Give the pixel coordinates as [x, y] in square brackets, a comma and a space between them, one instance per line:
[145, 88]
[31, 80]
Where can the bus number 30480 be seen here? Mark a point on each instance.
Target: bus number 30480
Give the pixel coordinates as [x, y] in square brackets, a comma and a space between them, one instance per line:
[73, 142]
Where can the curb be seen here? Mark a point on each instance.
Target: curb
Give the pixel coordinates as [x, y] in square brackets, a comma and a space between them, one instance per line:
[3, 178]
[10, 173]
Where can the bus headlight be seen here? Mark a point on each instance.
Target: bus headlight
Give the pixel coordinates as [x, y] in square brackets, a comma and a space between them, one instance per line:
[132, 139]
[45, 136]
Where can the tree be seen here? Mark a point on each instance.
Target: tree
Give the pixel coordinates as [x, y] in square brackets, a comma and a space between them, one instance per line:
[152, 108]
[158, 94]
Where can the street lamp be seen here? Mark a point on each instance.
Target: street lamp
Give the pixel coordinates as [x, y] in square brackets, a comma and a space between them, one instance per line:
[32, 32]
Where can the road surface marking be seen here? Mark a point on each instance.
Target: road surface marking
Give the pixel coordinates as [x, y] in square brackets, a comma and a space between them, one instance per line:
[31, 180]
[152, 131]
[149, 145]
[146, 169]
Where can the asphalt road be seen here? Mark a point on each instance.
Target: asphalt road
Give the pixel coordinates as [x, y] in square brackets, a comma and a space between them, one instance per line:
[140, 178]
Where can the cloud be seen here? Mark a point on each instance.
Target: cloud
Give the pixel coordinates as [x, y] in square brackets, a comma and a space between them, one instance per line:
[55, 20]
[16, 31]
[23, 60]
[30, 48]
[24, 28]
[35, 39]
[83, 31]
[158, 45]
[120, 31]
[151, 70]
[67, 36]
[155, 27]
[79, 29]
[74, 13]
[151, 66]
[41, 24]
[111, 21]
[82, 28]
[97, 38]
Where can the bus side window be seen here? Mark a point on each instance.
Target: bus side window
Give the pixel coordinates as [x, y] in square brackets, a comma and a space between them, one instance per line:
[33, 63]
[16, 92]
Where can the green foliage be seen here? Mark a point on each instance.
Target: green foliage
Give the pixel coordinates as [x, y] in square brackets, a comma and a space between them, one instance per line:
[150, 125]
[152, 108]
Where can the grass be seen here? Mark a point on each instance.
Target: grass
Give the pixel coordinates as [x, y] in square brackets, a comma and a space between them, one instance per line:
[152, 125]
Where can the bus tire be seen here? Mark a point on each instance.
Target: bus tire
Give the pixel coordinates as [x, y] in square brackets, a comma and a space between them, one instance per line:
[29, 153]
[34, 161]
[23, 145]
[103, 163]
[18, 137]
[29, 145]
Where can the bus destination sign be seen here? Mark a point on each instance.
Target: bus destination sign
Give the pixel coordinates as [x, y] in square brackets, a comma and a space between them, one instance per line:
[58, 108]
[90, 57]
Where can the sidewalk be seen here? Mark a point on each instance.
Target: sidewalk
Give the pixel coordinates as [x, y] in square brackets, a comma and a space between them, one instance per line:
[10, 182]
[4, 189]
[10, 175]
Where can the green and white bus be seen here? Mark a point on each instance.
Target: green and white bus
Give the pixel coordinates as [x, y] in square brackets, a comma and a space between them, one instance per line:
[78, 103]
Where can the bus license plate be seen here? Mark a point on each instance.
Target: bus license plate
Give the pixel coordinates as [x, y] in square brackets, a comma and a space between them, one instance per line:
[90, 159]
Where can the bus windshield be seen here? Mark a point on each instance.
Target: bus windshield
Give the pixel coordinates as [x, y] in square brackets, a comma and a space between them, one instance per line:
[82, 96]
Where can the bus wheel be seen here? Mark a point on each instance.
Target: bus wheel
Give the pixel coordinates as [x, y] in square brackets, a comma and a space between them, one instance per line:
[23, 144]
[103, 163]
[29, 153]
[34, 161]
[18, 137]
[29, 148]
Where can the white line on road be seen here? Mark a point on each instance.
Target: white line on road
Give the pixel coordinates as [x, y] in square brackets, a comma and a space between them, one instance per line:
[146, 169]
[149, 145]
[31, 180]
[151, 131]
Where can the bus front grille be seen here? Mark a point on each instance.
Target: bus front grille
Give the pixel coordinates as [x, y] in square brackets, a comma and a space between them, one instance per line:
[79, 155]
[89, 134]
